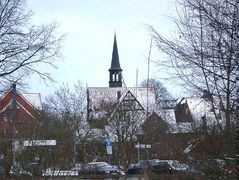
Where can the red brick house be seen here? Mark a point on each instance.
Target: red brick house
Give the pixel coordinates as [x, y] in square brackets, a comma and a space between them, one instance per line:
[16, 108]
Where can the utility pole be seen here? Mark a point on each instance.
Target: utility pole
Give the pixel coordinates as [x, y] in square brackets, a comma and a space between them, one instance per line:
[237, 127]
[237, 102]
[150, 49]
[237, 143]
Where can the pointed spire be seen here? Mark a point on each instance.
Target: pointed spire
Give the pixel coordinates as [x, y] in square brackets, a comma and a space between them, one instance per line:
[115, 65]
[115, 69]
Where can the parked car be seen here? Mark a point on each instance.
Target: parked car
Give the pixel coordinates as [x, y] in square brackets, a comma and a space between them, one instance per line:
[99, 168]
[161, 167]
[119, 170]
[107, 169]
[91, 168]
[154, 166]
[137, 168]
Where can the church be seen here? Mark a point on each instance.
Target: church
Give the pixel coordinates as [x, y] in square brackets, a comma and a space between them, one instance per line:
[102, 101]
[116, 113]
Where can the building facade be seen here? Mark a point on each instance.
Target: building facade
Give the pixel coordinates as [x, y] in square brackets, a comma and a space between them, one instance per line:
[18, 108]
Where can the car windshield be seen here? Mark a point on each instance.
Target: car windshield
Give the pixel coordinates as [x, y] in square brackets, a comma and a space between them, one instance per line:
[105, 167]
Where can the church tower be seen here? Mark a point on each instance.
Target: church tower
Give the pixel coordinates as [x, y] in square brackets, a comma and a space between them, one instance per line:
[115, 69]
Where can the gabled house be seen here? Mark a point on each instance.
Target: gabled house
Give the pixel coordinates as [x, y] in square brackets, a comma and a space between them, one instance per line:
[191, 114]
[173, 127]
[17, 108]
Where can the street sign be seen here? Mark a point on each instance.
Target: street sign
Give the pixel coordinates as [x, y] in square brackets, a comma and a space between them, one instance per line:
[109, 147]
[143, 146]
[39, 143]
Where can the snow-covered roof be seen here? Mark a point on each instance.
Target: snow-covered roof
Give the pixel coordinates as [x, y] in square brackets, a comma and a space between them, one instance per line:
[100, 96]
[97, 94]
[199, 108]
[34, 99]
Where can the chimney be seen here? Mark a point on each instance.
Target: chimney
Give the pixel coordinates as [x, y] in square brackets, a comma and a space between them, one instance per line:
[207, 95]
[14, 101]
[118, 95]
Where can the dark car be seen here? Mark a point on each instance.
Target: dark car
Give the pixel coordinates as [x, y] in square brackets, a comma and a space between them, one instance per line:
[154, 166]
[161, 167]
[137, 168]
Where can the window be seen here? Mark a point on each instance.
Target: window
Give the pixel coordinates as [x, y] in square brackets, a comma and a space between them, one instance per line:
[8, 117]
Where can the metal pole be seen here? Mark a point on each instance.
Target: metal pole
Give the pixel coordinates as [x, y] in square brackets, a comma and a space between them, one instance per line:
[237, 128]
[150, 48]
[237, 147]
[237, 104]
[138, 153]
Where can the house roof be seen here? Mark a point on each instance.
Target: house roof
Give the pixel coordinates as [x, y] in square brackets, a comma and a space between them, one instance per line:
[26, 100]
[199, 107]
[34, 99]
[99, 94]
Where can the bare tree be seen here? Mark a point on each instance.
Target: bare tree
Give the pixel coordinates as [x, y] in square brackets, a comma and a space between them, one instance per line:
[124, 125]
[205, 53]
[161, 93]
[70, 107]
[23, 47]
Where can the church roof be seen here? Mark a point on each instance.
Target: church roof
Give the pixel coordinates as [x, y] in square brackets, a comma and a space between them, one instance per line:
[101, 97]
[97, 94]
[115, 64]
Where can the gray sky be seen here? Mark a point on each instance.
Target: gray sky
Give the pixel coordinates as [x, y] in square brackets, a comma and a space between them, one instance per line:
[89, 26]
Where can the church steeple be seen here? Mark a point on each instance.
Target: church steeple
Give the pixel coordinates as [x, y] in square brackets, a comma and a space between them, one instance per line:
[115, 69]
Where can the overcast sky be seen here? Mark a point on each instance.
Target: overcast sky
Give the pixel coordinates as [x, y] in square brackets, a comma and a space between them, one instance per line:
[89, 26]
